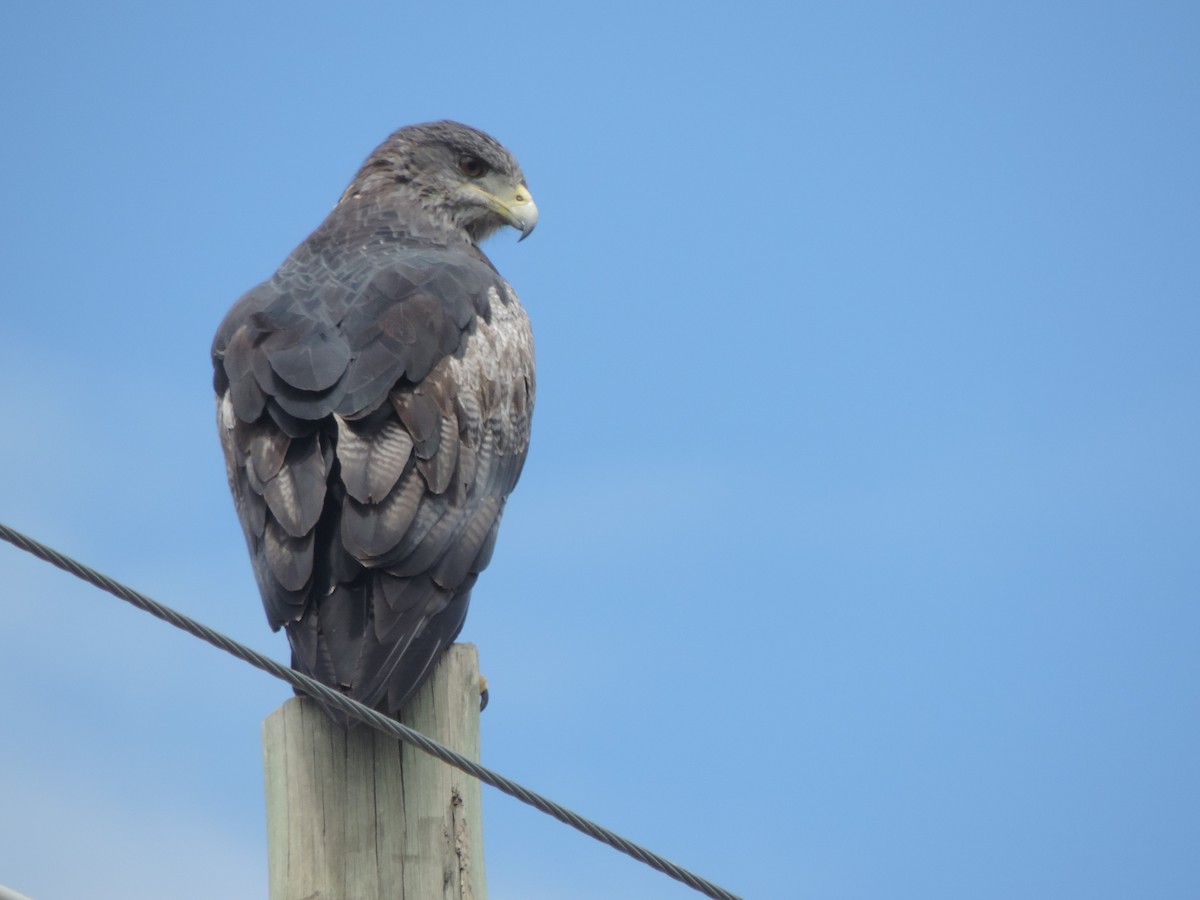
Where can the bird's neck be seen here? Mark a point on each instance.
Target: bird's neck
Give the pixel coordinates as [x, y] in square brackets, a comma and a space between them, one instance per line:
[391, 219]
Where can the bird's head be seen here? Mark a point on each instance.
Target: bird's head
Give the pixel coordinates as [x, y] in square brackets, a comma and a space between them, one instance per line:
[462, 177]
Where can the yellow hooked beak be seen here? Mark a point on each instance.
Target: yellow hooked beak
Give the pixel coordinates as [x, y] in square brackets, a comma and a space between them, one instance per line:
[522, 212]
[515, 205]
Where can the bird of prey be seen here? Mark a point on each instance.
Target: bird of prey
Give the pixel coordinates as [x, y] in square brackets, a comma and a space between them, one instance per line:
[373, 402]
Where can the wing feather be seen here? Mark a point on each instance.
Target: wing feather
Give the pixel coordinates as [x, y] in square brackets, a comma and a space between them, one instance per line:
[455, 563]
[370, 530]
[296, 493]
[309, 357]
[372, 458]
[288, 558]
[374, 419]
[438, 469]
[267, 449]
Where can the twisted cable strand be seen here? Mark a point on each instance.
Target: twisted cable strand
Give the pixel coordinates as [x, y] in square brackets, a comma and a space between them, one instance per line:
[364, 713]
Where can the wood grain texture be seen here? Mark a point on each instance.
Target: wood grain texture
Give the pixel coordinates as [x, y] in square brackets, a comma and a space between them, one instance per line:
[356, 815]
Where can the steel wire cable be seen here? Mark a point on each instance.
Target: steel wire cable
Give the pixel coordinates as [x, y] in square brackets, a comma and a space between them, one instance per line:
[363, 713]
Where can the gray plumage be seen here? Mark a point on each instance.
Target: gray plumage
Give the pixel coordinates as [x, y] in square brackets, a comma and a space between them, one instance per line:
[373, 401]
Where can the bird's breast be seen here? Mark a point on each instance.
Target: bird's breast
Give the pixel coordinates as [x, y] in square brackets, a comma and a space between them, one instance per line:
[495, 366]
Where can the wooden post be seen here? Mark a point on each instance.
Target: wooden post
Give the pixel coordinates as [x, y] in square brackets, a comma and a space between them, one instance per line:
[358, 815]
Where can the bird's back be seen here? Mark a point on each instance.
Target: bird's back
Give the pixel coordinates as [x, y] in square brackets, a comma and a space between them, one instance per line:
[374, 401]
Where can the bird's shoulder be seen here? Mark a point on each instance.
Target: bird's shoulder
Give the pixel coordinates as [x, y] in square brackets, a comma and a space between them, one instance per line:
[343, 320]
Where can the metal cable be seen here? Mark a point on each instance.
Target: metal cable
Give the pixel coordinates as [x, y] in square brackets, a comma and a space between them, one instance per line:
[364, 713]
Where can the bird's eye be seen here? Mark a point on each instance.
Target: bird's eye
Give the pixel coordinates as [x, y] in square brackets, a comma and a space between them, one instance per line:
[472, 166]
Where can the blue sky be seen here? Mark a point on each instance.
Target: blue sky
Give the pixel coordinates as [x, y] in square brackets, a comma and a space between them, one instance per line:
[857, 552]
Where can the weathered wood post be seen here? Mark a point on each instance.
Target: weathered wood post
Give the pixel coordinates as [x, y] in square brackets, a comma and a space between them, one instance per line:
[357, 815]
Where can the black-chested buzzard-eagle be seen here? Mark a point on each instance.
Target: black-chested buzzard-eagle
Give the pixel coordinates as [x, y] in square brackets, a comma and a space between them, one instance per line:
[373, 401]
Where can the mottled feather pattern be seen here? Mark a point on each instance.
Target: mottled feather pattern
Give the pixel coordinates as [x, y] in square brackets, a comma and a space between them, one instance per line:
[372, 458]
[374, 401]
